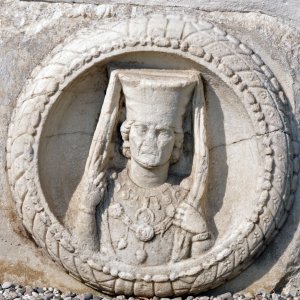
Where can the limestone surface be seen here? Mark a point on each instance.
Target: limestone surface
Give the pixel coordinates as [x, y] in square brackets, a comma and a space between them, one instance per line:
[149, 150]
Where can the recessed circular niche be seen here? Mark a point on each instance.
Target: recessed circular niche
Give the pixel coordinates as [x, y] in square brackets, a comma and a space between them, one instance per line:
[250, 174]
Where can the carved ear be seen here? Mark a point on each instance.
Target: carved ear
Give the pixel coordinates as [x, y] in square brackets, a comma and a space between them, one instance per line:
[126, 149]
[200, 159]
[175, 155]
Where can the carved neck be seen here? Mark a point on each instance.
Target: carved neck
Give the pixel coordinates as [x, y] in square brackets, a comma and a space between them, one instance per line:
[148, 178]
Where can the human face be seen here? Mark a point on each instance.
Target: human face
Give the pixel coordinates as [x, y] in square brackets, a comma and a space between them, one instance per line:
[151, 144]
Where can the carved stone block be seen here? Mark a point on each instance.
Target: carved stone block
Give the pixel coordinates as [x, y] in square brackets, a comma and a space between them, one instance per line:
[154, 155]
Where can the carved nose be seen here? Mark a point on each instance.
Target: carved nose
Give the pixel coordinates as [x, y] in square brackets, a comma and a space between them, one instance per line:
[150, 139]
[149, 145]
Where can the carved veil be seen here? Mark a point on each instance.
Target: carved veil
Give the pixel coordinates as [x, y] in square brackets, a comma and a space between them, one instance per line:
[101, 147]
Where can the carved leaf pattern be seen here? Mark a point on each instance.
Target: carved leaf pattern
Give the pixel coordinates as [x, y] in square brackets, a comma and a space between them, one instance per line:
[220, 52]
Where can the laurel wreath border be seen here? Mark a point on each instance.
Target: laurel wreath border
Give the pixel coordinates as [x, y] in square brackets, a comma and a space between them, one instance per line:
[66, 62]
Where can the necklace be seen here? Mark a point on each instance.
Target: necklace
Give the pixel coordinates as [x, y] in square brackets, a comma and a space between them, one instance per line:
[122, 189]
[166, 195]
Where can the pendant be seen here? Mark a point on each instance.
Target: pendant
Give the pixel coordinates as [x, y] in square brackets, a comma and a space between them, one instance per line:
[144, 232]
[122, 244]
[141, 255]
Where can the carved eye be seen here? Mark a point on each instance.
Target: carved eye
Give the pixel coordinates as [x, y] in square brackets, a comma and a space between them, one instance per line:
[164, 132]
[140, 129]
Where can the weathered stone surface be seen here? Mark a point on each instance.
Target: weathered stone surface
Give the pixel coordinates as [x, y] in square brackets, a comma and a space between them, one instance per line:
[242, 183]
[288, 10]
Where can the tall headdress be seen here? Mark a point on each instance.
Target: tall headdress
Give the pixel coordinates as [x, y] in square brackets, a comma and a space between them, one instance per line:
[157, 96]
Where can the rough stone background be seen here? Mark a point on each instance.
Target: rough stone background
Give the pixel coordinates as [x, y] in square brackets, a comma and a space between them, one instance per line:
[30, 30]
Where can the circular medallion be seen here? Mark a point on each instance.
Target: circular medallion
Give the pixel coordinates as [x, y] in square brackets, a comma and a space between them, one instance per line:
[224, 63]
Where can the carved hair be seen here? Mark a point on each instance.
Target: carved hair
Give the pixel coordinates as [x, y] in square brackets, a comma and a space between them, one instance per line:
[125, 130]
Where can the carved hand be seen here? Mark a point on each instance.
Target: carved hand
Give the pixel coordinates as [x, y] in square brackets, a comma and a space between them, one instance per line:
[189, 219]
[85, 225]
[92, 197]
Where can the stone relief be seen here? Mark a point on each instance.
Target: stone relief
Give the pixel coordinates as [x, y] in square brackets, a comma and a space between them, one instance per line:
[142, 201]
[142, 227]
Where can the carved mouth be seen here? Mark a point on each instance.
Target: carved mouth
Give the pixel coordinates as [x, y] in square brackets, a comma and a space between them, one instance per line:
[149, 153]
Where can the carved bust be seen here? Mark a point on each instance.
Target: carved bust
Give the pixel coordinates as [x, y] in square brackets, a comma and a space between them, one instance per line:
[142, 208]
[132, 178]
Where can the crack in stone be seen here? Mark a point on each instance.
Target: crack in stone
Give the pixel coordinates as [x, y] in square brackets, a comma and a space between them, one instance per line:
[68, 133]
[247, 139]
[214, 147]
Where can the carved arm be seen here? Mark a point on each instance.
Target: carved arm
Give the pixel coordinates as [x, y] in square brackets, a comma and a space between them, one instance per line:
[92, 187]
